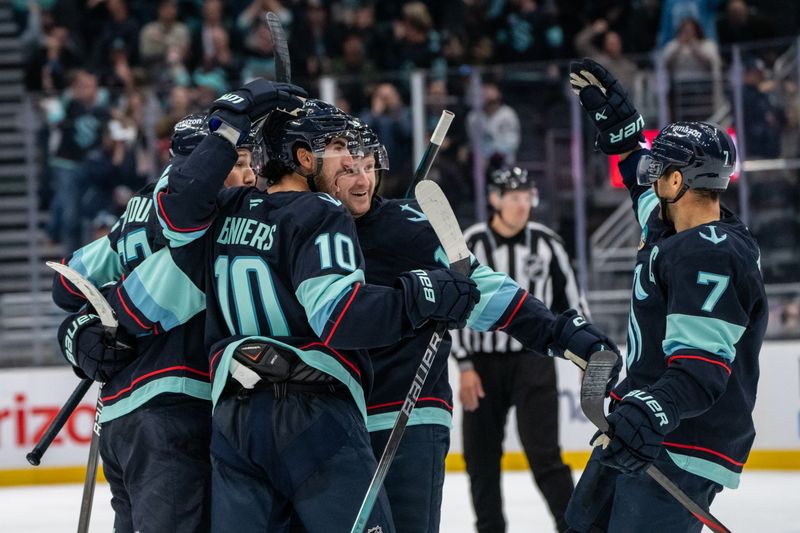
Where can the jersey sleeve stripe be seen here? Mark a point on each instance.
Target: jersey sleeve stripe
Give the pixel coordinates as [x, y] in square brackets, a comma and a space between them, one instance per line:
[319, 296]
[644, 207]
[346, 361]
[712, 335]
[163, 216]
[706, 450]
[400, 402]
[497, 293]
[67, 285]
[514, 312]
[97, 262]
[615, 396]
[129, 312]
[339, 319]
[698, 358]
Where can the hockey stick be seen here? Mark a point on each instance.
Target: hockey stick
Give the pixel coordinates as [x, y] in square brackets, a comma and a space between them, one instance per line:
[110, 323]
[430, 152]
[593, 391]
[435, 206]
[34, 457]
[91, 469]
[283, 67]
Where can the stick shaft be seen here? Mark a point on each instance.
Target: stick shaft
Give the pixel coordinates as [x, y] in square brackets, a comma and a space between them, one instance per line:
[437, 137]
[91, 469]
[35, 455]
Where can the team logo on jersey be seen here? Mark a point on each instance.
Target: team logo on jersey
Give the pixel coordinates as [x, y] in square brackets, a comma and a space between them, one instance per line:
[255, 202]
[712, 236]
[534, 267]
[419, 215]
[376, 529]
[638, 290]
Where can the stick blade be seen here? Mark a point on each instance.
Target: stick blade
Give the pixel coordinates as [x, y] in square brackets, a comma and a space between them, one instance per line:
[436, 207]
[593, 390]
[91, 293]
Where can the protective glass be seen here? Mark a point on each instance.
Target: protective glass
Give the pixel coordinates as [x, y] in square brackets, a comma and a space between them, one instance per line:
[649, 170]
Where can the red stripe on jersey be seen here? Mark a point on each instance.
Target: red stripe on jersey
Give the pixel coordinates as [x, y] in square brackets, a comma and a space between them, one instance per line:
[701, 449]
[699, 358]
[66, 286]
[214, 358]
[135, 318]
[514, 312]
[340, 356]
[169, 222]
[614, 395]
[151, 374]
[426, 399]
[336, 325]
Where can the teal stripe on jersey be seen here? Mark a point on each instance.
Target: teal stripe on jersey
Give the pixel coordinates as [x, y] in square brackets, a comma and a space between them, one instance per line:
[98, 262]
[497, 291]
[163, 292]
[644, 208]
[141, 395]
[420, 416]
[706, 469]
[689, 332]
[314, 358]
[320, 295]
[176, 238]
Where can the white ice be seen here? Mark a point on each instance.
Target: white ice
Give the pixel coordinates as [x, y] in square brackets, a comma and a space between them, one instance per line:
[766, 502]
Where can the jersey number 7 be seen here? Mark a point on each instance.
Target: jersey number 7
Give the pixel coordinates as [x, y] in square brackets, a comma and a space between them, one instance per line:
[719, 282]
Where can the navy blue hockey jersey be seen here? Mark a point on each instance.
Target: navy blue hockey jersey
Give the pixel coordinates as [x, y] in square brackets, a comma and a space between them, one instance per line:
[283, 267]
[396, 236]
[697, 320]
[171, 362]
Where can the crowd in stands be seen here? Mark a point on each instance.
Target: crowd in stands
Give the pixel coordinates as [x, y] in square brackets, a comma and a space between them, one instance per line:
[112, 77]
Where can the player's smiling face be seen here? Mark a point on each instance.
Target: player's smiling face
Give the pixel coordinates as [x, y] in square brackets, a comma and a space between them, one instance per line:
[355, 185]
[335, 161]
[241, 174]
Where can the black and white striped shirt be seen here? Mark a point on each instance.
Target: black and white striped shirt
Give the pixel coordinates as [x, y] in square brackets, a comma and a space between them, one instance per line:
[536, 259]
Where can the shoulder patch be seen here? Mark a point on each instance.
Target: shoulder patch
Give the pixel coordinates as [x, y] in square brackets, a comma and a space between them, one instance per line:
[712, 235]
[417, 216]
[328, 198]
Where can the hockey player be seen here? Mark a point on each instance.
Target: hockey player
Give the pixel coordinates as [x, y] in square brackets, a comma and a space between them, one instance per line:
[395, 236]
[697, 320]
[497, 372]
[156, 420]
[282, 277]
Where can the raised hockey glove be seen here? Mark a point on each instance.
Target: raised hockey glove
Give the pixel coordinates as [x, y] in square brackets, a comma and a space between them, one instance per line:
[637, 428]
[573, 333]
[259, 97]
[441, 295]
[89, 349]
[608, 106]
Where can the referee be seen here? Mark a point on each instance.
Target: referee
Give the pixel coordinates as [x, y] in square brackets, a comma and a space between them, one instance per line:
[496, 373]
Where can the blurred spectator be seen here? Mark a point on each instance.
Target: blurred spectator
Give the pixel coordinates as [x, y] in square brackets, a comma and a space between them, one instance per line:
[120, 30]
[609, 53]
[211, 46]
[391, 120]
[80, 123]
[791, 131]
[497, 124]
[527, 32]
[416, 42]
[259, 60]
[763, 116]
[695, 67]
[673, 12]
[164, 36]
[740, 23]
[48, 65]
[313, 41]
[117, 76]
[357, 70]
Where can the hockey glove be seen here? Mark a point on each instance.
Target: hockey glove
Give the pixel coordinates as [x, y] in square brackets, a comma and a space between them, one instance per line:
[575, 334]
[89, 349]
[608, 106]
[441, 295]
[637, 428]
[259, 97]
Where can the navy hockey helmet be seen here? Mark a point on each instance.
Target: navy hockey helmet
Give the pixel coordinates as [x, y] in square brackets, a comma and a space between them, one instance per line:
[188, 133]
[703, 152]
[312, 126]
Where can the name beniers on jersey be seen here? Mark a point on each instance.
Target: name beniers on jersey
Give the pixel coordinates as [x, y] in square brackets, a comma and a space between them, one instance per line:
[247, 232]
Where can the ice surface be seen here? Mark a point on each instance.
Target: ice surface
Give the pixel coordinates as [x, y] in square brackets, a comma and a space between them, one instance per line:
[766, 502]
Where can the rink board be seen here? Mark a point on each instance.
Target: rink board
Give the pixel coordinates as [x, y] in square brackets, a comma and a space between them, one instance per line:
[30, 397]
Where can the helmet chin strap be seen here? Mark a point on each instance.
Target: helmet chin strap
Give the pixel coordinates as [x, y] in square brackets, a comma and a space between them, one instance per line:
[663, 202]
[311, 177]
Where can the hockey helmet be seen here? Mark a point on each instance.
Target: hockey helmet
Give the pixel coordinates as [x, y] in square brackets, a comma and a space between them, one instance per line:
[511, 178]
[703, 152]
[313, 126]
[188, 133]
